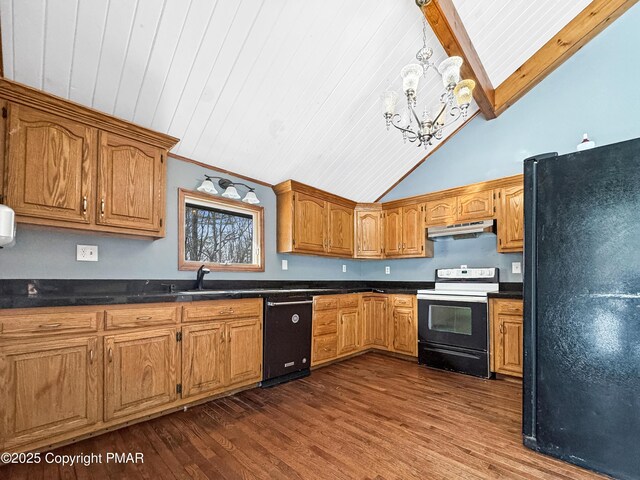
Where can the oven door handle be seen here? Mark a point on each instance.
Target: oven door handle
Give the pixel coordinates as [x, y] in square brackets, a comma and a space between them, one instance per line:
[452, 298]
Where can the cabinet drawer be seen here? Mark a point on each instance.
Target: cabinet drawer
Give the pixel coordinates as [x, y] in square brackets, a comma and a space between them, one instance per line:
[513, 307]
[349, 301]
[221, 309]
[140, 317]
[402, 301]
[325, 348]
[325, 322]
[52, 323]
[325, 303]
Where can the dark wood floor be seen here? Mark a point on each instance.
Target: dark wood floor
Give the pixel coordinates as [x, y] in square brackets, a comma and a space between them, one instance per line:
[369, 417]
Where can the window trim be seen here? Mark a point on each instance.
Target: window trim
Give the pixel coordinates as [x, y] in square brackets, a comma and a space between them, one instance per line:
[183, 196]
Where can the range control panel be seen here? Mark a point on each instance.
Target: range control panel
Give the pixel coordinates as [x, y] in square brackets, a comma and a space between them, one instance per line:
[486, 275]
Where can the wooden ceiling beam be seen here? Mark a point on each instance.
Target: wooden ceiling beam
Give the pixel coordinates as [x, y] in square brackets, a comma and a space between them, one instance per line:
[448, 27]
[587, 24]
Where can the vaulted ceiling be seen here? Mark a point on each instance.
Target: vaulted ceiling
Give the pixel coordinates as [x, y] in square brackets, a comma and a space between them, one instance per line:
[272, 89]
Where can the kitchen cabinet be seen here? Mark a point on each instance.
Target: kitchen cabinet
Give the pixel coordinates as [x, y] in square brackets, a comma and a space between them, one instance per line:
[50, 166]
[506, 336]
[441, 212]
[375, 331]
[49, 388]
[340, 228]
[140, 371]
[348, 331]
[511, 218]
[69, 166]
[404, 324]
[203, 358]
[405, 232]
[468, 207]
[131, 180]
[324, 342]
[311, 221]
[244, 350]
[476, 206]
[369, 232]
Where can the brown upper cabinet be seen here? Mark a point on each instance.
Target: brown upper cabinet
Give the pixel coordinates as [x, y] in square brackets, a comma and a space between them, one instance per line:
[73, 167]
[511, 218]
[369, 232]
[405, 233]
[313, 222]
[469, 207]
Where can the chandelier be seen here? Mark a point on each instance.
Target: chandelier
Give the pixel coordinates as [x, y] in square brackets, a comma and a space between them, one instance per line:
[454, 100]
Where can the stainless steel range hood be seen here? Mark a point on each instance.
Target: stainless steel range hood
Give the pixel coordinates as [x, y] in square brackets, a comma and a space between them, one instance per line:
[461, 230]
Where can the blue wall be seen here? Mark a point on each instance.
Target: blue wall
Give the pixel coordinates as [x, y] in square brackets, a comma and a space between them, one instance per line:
[45, 253]
[594, 91]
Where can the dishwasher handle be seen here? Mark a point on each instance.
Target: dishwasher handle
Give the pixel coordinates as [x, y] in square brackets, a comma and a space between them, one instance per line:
[281, 304]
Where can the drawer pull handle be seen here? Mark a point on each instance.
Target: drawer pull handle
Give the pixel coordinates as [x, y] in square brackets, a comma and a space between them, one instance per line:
[50, 325]
[110, 356]
[145, 317]
[226, 312]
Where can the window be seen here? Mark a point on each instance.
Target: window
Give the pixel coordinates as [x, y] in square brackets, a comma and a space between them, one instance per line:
[223, 234]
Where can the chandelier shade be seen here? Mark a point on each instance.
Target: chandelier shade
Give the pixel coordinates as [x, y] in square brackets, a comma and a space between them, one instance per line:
[450, 71]
[410, 76]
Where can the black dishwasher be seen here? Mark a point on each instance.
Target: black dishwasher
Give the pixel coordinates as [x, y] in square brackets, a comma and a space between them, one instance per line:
[287, 339]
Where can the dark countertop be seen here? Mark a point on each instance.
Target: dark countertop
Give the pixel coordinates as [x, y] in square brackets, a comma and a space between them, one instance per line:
[59, 293]
[508, 290]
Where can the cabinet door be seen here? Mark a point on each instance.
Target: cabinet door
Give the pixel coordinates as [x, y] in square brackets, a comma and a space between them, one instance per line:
[368, 321]
[140, 371]
[348, 337]
[203, 358]
[508, 352]
[393, 232]
[412, 230]
[244, 351]
[405, 338]
[49, 388]
[511, 219]
[441, 212]
[50, 166]
[369, 233]
[340, 230]
[309, 223]
[380, 323]
[131, 179]
[475, 206]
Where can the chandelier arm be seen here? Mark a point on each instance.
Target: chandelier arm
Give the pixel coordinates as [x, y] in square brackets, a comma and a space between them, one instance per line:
[397, 118]
[415, 115]
[435, 120]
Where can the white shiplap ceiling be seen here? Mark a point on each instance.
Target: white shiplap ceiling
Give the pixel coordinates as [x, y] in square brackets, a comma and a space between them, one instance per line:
[506, 33]
[273, 89]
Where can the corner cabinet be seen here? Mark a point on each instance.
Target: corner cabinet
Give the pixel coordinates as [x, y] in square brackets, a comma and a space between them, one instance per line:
[313, 222]
[73, 167]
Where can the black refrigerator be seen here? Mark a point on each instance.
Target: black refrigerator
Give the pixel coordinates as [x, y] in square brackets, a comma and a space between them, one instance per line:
[581, 398]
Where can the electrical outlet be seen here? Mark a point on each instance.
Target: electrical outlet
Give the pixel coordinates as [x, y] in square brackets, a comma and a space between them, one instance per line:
[516, 267]
[285, 264]
[87, 253]
[387, 270]
[344, 269]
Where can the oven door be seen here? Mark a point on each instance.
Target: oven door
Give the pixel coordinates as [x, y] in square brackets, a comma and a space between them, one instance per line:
[453, 321]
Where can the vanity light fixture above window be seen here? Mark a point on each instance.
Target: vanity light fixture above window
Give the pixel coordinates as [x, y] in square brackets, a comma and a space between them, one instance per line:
[228, 189]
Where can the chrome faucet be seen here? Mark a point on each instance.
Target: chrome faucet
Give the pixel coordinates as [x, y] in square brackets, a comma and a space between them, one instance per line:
[202, 271]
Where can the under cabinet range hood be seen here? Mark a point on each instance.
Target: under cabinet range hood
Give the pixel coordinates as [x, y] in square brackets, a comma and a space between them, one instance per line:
[461, 230]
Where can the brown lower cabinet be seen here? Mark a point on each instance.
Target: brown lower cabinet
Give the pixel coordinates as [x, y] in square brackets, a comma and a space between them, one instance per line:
[506, 336]
[72, 371]
[350, 323]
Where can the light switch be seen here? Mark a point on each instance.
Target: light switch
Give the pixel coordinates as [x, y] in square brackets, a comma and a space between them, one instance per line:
[516, 267]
